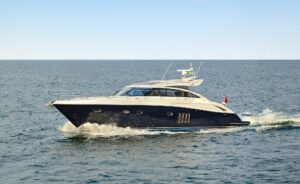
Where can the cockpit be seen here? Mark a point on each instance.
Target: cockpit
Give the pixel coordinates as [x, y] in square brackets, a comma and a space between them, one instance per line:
[165, 92]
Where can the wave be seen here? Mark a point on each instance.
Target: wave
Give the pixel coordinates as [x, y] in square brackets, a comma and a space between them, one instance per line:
[109, 130]
[220, 130]
[269, 120]
[262, 122]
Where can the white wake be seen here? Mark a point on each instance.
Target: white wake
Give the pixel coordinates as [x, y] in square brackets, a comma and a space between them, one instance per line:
[109, 130]
[268, 120]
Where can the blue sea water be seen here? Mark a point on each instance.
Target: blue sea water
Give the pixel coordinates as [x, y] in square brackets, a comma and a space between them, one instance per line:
[38, 145]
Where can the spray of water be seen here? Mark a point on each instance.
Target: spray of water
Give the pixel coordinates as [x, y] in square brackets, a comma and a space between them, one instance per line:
[220, 130]
[268, 120]
[265, 121]
[109, 130]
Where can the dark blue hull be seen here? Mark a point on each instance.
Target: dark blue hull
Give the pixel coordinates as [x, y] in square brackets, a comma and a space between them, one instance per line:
[146, 116]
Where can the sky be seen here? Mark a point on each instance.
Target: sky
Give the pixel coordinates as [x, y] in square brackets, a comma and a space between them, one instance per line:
[149, 29]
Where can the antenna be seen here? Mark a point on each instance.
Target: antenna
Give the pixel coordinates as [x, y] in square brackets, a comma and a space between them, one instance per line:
[167, 70]
[199, 68]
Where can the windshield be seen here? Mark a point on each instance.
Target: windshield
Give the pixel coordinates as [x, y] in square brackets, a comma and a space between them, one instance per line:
[121, 92]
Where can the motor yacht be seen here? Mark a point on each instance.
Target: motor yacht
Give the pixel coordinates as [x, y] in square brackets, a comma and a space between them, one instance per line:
[152, 104]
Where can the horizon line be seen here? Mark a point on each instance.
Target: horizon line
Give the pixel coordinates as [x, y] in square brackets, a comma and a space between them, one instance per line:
[69, 59]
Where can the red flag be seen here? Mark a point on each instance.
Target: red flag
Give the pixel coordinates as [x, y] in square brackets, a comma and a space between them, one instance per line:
[226, 100]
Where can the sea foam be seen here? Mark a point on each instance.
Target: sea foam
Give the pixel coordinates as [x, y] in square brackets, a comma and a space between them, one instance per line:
[268, 120]
[109, 130]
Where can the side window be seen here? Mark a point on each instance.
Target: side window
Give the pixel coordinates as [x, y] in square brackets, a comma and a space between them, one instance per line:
[154, 92]
[162, 92]
[142, 92]
[179, 93]
[137, 92]
[146, 92]
[171, 92]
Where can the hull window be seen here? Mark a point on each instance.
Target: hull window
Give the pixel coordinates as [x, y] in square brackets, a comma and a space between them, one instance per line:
[169, 114]
[126, 112]
[97, 110]
[139, 112]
